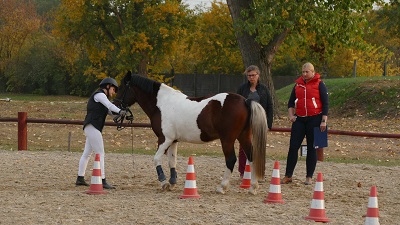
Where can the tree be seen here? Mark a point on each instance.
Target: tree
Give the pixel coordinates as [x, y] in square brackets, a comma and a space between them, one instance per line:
[262, 26]
[18, 20]
[120, 35]
[384, 31]
[206, 45]
[38, 69]
[213, 43]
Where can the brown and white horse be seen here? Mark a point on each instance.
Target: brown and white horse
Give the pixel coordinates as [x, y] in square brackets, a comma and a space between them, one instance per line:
[176, 117]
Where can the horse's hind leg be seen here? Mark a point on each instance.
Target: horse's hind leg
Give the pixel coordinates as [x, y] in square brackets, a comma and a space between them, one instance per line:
[230, 160]
[254, 182]
[172, 151]
[245, 142]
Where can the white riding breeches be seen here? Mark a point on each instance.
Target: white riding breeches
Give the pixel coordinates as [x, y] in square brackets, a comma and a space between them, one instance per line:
[94, 143]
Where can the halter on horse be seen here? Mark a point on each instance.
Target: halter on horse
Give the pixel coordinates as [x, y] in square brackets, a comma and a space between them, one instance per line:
[176, 117]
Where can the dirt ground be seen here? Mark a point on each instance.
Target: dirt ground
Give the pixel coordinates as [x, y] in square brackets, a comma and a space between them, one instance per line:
[37, 186]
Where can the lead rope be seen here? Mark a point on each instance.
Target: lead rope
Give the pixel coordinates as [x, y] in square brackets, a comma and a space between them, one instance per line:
[133, 158]
[119, 120]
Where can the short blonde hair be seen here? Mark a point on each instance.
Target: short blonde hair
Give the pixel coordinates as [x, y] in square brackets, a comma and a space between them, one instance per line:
[309, 66]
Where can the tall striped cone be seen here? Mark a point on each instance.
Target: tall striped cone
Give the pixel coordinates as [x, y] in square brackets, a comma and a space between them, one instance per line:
[246, 181]
[190, 190]
[96, 184]
[372, 217]
[275, 195]
[317, 210]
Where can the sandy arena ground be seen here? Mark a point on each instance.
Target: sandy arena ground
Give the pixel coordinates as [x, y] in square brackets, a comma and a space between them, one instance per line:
[37, 187]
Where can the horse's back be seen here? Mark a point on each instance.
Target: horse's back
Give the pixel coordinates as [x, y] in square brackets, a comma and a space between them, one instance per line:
[223, 119]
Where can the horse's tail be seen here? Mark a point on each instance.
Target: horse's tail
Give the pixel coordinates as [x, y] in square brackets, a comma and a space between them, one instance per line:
[258, 123]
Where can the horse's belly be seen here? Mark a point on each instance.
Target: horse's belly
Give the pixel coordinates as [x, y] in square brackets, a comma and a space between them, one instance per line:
[191, 141]
[190, 137]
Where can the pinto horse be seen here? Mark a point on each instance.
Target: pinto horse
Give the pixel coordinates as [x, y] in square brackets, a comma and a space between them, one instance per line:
[176, 117]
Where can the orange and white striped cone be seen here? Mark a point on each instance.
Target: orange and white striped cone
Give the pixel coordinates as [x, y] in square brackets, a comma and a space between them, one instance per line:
[96, 184]
[190, 190]
[275, 195]
[317, 210]
[246, 181]
[372, 217]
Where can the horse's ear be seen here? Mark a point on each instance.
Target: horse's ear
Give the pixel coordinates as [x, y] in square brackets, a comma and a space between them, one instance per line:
[128, 76]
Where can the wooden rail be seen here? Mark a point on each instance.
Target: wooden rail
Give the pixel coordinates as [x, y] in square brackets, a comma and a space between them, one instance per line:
[23, 121]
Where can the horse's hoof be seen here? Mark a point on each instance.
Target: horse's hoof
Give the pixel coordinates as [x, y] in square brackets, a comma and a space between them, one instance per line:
[220, 190]
[252, 191]
[171, 187]
[164, 185]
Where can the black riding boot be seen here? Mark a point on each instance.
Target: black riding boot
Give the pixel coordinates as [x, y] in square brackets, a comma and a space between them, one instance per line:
[106, 185]
[80, 181]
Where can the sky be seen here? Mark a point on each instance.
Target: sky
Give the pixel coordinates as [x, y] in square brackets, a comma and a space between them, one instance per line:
[193, 3]
[207, 3]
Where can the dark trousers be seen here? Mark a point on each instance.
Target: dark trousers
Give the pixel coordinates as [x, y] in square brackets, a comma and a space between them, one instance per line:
[242, 160]
[303, 127]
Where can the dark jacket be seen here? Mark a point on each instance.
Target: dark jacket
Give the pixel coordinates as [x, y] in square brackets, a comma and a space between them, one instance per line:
[265, 99]
[96, 113]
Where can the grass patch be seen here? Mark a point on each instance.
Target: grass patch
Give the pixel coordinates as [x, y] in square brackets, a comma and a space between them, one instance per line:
[47, 98]
[375, 162]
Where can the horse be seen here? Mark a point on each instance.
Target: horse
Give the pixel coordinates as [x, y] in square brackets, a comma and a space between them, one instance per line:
[175, 117]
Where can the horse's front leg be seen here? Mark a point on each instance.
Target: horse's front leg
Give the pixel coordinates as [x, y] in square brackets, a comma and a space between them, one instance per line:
[230, 164]
[254, 182]
[172, 151]
[158, 161]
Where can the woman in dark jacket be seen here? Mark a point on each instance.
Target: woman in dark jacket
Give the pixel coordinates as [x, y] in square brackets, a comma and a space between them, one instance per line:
[254, 90]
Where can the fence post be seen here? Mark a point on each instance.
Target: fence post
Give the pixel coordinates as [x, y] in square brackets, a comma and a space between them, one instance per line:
[195, 84]
[69, 141]
[355, 68]
[385, 68]
[22, 131]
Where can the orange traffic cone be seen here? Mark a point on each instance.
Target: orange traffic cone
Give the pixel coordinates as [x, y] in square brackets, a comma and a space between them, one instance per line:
[372, 217]
[317, 210]
[275, 195]
[190, 190]
[246, 182]
[96, 184]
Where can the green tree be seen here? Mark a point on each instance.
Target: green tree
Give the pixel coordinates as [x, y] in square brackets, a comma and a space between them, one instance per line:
[262, 27]
[207, 45]
[212, 42]
[384, 32]
[18, 20]
[120, 35]
[39, 68]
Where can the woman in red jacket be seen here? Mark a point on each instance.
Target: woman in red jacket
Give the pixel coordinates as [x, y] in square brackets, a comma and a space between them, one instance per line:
[308, 108]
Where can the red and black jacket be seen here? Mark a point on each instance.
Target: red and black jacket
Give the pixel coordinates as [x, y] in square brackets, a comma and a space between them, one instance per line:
[309, 98]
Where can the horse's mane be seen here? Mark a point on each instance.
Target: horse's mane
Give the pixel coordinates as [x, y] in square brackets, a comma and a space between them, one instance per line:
[198, 99]
[146, 84]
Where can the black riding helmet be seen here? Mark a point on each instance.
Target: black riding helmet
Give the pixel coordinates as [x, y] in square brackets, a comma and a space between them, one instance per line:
[111, 81]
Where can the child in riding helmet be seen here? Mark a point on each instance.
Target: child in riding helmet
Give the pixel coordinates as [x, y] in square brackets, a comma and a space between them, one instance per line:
[98, 107]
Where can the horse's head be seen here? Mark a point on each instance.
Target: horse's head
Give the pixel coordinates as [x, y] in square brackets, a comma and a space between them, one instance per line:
[125, 96]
